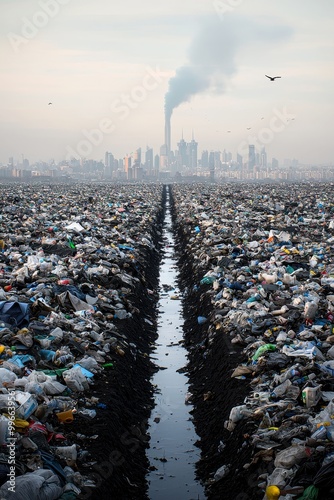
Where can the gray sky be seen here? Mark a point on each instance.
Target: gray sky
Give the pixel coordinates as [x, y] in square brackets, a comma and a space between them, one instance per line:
[107, 68]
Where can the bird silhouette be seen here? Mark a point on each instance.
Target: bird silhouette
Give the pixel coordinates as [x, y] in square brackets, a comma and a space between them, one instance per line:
[248, 128]
[49, 103]
[272, 78]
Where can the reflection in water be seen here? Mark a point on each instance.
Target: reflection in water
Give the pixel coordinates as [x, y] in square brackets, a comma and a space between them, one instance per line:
[172, 451]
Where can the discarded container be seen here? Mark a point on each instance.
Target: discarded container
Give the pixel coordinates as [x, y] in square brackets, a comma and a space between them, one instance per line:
[65, 417]
[27, 404]
[311, 396]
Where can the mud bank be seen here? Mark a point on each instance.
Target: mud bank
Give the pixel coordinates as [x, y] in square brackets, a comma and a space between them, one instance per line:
[213, 390]
[226, 244]
[115, 258]
[120, 451]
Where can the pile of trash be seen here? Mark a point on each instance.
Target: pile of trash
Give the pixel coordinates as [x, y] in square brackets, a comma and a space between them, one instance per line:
[257, 274]
[78, 271]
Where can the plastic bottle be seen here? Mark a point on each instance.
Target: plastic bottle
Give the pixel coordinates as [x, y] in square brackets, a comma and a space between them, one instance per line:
[305, 378]
[221, 472]
[87, 413]
[320, 433]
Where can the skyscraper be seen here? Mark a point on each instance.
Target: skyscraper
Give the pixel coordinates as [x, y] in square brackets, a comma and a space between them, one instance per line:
[127, 167]
[149, 159]
[251, 156]
[263, 158]
[182, 153]
[205, 159]
[192, 153]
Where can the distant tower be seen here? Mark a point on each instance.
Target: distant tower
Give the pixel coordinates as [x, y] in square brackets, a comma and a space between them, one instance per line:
[149, 159]
[205, 159]
[192, 153]
[127, 167]
[182, 153]
[137, 156]
[263, 159]
[251, 156]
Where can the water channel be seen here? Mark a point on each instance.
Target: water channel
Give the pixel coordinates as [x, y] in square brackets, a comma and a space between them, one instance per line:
[172, 453]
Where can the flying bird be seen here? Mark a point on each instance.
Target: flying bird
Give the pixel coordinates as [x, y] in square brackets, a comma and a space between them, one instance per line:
[272, 78]
[49, 103]
[248, 128]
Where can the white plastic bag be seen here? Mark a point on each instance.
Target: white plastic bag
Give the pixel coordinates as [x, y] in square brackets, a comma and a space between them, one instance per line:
[75, 380]
[291, 456]
[6, 377]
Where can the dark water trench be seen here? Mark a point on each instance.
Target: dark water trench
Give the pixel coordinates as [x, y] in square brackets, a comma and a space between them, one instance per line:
[172, 453]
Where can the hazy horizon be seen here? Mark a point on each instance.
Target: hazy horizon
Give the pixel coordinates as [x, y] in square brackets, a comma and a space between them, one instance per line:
[110, 70]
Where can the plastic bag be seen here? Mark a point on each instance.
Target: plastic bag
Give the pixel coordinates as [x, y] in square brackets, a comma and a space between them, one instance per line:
[6, 376]
[324, 478]
[15, 313]
[41, 484]
[289, 457]
[75, 380]
[53, 387]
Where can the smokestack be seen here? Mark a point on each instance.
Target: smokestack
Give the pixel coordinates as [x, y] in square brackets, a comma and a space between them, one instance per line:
[167, 133]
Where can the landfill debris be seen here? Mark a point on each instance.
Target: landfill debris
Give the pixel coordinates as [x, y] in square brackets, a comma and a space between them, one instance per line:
[78, 277]
[257, 277]
[78, 295]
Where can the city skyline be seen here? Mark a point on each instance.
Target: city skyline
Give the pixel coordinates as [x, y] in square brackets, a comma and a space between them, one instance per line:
[185, 148]
[108, 77]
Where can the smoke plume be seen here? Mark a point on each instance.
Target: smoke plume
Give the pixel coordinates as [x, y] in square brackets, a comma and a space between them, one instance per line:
[212, 55]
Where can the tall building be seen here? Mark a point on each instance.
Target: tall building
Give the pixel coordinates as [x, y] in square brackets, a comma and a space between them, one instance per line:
[137, 156]
[192, 153]
[109, 163]
[182, 153]
[263, 158]
[127, 167]
[251, 156]
[156, 163]
[149, 159]
[163, 157]
[205, 159]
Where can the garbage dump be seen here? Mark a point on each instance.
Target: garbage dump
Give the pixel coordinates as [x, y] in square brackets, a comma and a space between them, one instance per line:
[257, 276]
[78, 277]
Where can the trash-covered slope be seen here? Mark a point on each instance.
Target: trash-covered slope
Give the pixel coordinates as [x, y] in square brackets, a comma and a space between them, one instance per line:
[258, 280]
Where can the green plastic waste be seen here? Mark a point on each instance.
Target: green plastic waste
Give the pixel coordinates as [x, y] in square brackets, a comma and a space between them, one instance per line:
[262, 349]
[108, 365]
[57, 372]
[311, 493]
[207, 280]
